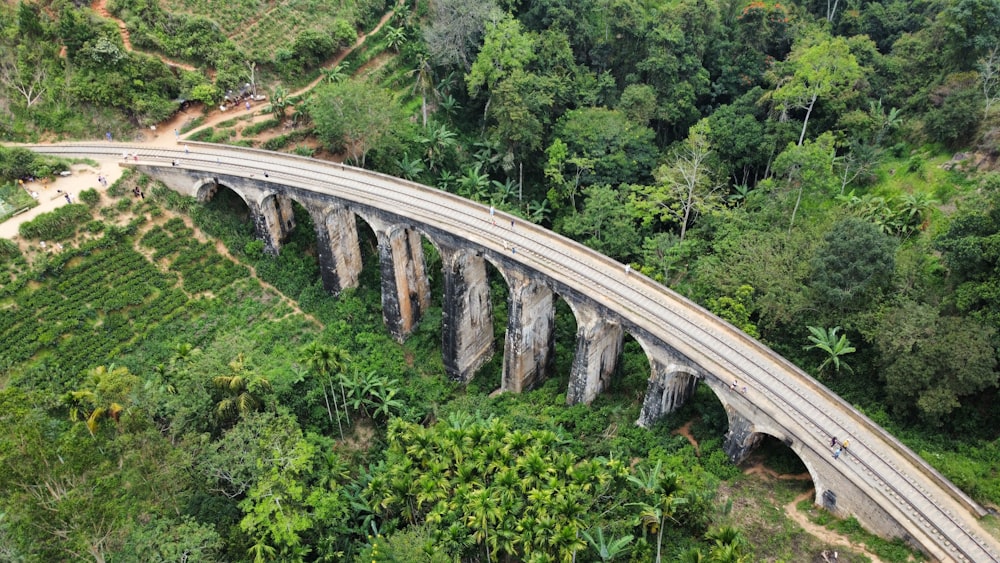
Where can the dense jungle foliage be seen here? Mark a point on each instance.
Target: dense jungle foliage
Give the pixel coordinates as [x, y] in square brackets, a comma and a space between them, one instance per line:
[820, 175]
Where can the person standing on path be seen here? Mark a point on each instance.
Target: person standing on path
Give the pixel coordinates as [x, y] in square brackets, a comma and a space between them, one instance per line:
[493, 212]
[108, 136]
[836, 453]
[628, 269]
[844, 446]
[177, 135]
[68, 199]
[833, 441]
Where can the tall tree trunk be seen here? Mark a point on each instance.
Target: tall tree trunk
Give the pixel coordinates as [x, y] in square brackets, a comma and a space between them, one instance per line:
[812, 102]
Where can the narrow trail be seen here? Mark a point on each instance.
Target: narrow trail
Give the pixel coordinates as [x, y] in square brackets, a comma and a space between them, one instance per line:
[101, 7]
[828, 536]
[216, 116]
[343, 54]
[686, 432]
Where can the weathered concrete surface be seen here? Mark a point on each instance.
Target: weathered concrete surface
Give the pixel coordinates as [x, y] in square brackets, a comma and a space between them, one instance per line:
[467, 313]
[598, 346]
[274, 221]
[672, 379]
[337, 247]
[530, 333]
[406, 293]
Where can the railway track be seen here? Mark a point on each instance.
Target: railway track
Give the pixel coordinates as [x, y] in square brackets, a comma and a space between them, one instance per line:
[939, 516]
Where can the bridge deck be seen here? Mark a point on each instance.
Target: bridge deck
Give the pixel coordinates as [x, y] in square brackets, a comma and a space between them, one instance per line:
[934, 512]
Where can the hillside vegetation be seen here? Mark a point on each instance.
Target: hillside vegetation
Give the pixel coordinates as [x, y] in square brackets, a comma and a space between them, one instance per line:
[819, 175]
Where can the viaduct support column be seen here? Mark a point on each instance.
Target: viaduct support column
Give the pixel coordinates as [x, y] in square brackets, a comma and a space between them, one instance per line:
[273, 220]
[467, 313]
[671, 382]
[406, 293]
[337, 247]
[530, 333]
[598, 346]
[741, 438]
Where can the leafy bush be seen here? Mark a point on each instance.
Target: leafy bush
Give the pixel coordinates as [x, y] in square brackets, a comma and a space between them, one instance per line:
[60, 224]
[257, 128]
[90, 197]
[8, 249]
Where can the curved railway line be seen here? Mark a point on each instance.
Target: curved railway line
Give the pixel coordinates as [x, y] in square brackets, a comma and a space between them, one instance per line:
[938, 516]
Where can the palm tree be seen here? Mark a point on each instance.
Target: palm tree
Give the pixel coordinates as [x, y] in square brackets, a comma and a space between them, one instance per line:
[244, 394]
[474, 183]
[482, 512]
[108, 388]
[606, 550]
[327, 362]
[424, 73]
[826, 339]
[437, 143]
[660, 487]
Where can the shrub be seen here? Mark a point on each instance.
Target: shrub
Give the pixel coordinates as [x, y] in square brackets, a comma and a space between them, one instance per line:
[90, 197]
[8, 249]
[60, 224]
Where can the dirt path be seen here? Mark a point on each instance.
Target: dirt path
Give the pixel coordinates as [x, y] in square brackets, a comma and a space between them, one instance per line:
[340, 56]
[828, 536]
[686, 432]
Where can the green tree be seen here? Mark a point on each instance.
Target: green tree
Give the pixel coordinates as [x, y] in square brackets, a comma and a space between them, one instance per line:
[970, 249]
[819, 66]
[853, 266]
[808, 165]
[931, 362]
[506, 50]
[686, 184]
[360, 118]
[605, 223]
[612, 150]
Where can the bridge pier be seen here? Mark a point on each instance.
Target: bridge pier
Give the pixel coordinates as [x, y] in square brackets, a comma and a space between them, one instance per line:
[530, 333]
[273, 221]
[672, 381]
[406, 293]
[337, 247]
[467, 313]
[598, 347]
[741, 438]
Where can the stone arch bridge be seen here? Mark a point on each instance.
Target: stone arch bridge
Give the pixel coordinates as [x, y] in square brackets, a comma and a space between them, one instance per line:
[885, 485]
